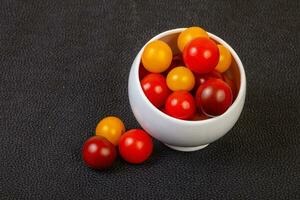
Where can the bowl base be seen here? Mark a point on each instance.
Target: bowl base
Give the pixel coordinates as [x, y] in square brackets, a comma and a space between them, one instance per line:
[187, 149]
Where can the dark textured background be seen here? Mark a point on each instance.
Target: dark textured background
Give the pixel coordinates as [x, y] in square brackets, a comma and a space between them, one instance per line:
[65, 64]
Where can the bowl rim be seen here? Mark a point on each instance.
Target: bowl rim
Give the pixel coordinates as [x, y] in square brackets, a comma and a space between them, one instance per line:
[190, 122]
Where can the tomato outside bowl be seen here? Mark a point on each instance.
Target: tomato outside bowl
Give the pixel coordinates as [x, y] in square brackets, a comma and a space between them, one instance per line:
[183, 135]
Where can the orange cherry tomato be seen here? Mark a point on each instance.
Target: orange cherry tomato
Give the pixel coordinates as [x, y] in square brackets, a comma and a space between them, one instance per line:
[188, 35]
[157, 56]
[110, 128]
[180, 78]
[224, 59]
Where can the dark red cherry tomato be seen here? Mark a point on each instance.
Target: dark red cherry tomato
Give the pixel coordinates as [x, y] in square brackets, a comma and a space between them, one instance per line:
[135, 146]
[231, 84]
[201, 55]
[176, 61]
[202, 78]
[156, 89]
[181, 105]
[98, 153]
[200, 116]
[214, 97]
[142, 71]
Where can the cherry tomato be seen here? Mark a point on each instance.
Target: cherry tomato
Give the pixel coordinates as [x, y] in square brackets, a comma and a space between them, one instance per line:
[142, 71]
[188, 35]
[200, 116]
[163, 109]
[157, 56]
[98, 153]
[181, 105]
[180, 78]
[201, 55]
[135, 146]
[176, 61]
[110, 128]
[202, 78]
[231, 84]
[214, 97]
[224, 59]
[156, 89]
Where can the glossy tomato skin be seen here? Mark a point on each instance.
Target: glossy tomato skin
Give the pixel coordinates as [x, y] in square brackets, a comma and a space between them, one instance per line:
[188, 35]
[214, 97]
[201, 55]
[180, 78]
[200, 116]
[157, 56]
[135, 146]
[98, 153]
[225, 59]
[202, 78]
[181, 105]
[111, 128]
[155, 89]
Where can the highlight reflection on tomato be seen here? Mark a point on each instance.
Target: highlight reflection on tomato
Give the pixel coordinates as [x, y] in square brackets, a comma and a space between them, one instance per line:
[157, 56]
[201, 55]
[180, 78]
[181, 105]
[135, 146]
[111, 128]
[214, 97]
[156, 89]
[98, 153]
[190, 34]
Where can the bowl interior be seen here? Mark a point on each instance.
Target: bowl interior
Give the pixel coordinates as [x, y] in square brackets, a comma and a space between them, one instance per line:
[233, 73]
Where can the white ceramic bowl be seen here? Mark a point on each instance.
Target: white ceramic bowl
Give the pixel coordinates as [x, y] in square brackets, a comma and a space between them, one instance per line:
[179, 134]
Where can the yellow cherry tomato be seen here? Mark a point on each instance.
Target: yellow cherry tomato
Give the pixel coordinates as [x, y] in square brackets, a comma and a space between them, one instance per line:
[111, 128]
[188, 35]
[157, 56]
[180, 78]
[224, 59]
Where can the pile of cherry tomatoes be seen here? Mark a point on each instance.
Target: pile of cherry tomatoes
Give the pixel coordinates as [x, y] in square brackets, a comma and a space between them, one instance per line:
[191, 85]
[99, 152]
[187, 86]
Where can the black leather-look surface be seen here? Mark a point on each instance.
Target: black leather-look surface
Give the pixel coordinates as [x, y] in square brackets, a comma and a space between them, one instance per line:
[65, 64]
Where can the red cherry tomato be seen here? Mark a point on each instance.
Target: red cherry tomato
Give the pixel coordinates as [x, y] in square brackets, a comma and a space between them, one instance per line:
[98, 153]
[214, 97]
[163, 109]
[156, 89]
[142, 71]
[202, 78]
[201, 55]
[135, 146]
[231, 84]
[181, 105]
